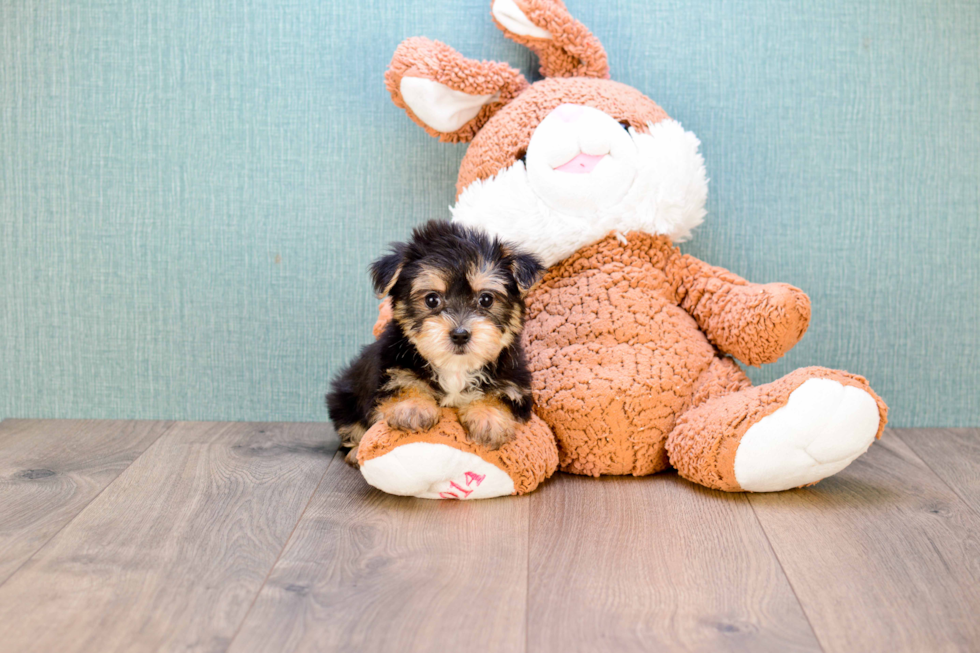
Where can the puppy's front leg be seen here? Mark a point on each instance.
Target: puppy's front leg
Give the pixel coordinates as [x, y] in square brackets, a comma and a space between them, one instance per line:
[351, 457]
[488, 422]
[410, 410]
[350, 436]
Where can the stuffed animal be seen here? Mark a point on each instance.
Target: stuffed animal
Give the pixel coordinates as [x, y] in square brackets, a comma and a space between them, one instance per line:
[631, 343]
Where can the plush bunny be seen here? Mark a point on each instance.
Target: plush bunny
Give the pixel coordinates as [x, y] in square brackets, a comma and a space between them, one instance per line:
[632, 344]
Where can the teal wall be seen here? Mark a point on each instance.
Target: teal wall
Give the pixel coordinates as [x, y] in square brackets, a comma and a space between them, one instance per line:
[190, 191]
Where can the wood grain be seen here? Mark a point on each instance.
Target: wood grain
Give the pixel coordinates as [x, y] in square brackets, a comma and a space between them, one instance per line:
[138, 536]
[883, 556]
[366, 571]
[172, 554]
[953, 455]
[654, 563]
[50, 470]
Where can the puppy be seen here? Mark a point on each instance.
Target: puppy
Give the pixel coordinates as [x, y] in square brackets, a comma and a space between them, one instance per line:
[457, 300]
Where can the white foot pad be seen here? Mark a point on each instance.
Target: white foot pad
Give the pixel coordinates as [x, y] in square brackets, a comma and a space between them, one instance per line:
[823, 427]
[436, 471]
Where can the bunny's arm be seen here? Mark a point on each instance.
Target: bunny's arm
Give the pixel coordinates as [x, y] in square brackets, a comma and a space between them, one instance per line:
[755, 323]
[384, 317]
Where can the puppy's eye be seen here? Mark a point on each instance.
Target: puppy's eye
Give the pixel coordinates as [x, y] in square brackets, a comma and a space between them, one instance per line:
[432, 300]
[486, 300]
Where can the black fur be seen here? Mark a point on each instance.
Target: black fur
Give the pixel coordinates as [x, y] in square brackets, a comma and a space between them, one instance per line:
[527, 270]
[383, 270]
[451, 250]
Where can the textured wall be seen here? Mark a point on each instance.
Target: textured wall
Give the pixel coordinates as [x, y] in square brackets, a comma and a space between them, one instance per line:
[190, 191]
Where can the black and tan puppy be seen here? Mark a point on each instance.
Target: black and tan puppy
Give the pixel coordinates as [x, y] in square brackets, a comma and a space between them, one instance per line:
[457, 298]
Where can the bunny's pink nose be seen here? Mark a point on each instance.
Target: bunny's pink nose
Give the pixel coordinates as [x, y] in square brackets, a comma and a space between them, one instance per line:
[581, 164]
[569, 112]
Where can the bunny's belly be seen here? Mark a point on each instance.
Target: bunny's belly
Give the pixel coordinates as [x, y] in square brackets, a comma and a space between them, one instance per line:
[615, 362]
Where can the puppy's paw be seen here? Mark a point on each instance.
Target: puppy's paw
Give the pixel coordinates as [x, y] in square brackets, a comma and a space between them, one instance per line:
[351, 458]
[488, 424]
[412, 414]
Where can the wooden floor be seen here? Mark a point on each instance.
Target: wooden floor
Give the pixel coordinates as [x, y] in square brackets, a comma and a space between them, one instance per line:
[146, 536]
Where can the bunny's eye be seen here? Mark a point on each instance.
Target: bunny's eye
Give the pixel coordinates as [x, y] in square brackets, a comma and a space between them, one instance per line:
[624, 124]
[521, 155]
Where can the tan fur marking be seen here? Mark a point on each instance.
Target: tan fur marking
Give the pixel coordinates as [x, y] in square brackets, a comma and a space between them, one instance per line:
[488, 422]
[433, 343]
[512, 392]
[516, 322]
[487, 341]
[486, 277]
[432, 340]
[351, 457]
[401, 379]
[351, 435]
[410, 410]
[399, 316]
[429, 279]
[391, 284]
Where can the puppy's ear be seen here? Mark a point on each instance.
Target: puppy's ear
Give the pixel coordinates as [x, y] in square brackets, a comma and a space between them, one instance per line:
[527, 270]
[385, 271]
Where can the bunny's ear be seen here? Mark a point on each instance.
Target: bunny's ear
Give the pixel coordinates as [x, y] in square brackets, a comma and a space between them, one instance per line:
[448, 95]
[565, 47]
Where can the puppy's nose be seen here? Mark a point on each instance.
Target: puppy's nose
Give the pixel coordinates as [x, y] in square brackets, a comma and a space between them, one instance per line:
[459, 336]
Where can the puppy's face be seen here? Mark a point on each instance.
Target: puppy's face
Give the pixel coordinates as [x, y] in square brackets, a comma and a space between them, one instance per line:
[459, 315]
[460, 299]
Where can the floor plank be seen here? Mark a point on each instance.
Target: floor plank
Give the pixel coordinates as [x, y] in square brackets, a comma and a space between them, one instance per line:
[366, 571]
[954, 456]
[171, 555]
[883, 556]
[51, 469]
[655, 563]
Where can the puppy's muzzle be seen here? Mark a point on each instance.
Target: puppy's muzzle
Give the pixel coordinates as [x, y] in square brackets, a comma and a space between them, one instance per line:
[460, 336]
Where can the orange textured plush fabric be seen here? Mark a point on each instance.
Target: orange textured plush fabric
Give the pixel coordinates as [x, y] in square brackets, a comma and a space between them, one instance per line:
[529, 459]
[571, 52]
[634, 347]
[499, 145]
[617, 359]
[703, 444]
[419, 57]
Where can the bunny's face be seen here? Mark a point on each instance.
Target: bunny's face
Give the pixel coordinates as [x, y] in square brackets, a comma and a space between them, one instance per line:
[559, 164]
[534, 116]
[580, 159]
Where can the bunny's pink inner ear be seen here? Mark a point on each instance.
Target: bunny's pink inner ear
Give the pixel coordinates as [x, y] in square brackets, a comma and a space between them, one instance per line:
[445, 93]
[513, 20]
[440, 107]
[565, 47]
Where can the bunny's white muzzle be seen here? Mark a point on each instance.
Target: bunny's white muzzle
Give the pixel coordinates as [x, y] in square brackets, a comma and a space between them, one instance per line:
[580, 160]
